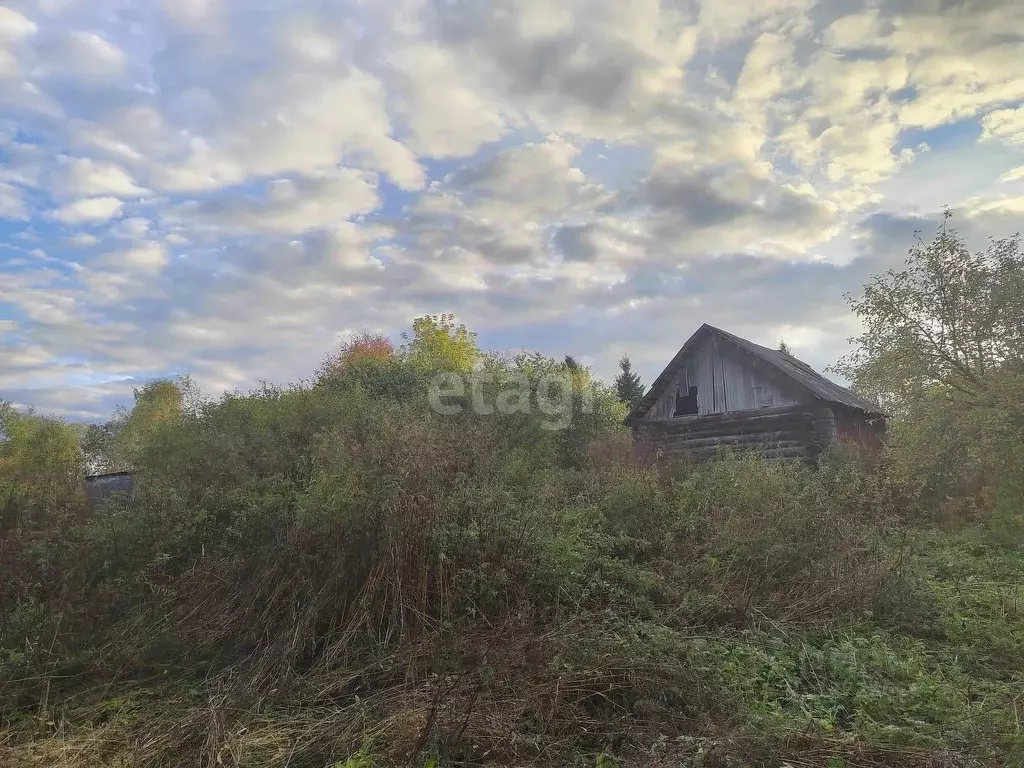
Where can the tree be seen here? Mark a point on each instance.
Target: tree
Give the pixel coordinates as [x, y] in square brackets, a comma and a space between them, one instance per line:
[627, 384]
[36, 447]
[364, 353]
[365, 347]
[950, 323]
[97, 442]
[943, 351]
[158, 403]
[369, 361]
[40, 466]
[438, 344]
[784, 348]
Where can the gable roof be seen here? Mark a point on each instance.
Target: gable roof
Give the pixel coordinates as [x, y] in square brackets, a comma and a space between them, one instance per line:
[787, 365]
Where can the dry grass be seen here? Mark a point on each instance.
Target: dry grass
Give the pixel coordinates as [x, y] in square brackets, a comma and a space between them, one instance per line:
[507, 696]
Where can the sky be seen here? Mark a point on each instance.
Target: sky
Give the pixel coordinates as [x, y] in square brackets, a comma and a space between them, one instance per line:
[228, 188]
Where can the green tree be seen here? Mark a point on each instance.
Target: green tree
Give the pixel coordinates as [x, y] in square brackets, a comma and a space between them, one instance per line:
[784, 348]
[362, 348]
[36, 446]
[40, 465]
[951, 323]
[158, 403]
[943, 350]
[627, 384]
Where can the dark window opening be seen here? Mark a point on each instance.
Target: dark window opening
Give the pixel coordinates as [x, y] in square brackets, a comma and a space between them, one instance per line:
[686, 405]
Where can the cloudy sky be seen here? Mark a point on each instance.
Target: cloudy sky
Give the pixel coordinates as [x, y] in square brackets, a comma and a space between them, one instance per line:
[227, 187]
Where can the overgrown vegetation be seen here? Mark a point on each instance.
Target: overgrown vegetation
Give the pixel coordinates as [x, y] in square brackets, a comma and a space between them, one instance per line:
[943, 349]
[335, 574]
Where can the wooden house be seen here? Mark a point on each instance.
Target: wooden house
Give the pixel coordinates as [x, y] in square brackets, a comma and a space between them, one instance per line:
[721, 389]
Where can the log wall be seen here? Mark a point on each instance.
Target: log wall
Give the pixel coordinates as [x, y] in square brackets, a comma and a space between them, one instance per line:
[790, 432]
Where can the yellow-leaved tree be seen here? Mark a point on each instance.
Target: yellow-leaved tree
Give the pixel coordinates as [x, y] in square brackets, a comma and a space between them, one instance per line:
[437, 343]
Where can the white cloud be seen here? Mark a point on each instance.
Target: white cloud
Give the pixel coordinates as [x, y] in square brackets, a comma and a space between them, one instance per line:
[23, 163]
[768, 68]
[284, 206]
[81, 56]
[279, 116]
[88, 210]
[135, 228]
[1012, 205]
[78, 177]
[118, 136]
[11, 204]
[447, 116]
[1004, 124]
[726, 21]
[855, 30]
[530, 181]
[189, 12]
[144, 256]
[14, 26]
[1014, 174]
[82, 240]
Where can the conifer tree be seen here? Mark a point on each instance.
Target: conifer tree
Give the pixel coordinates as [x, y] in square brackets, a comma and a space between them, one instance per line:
[627, 384]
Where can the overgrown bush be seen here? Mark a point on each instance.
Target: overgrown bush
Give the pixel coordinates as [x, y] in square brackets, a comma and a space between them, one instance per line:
[292, 532]
[333, 571]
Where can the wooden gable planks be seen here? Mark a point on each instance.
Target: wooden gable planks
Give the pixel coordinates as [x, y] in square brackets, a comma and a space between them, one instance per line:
[727, 380]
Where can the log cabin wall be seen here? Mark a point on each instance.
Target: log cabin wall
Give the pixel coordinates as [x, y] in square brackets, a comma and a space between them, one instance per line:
[727, 380]
[789, 432]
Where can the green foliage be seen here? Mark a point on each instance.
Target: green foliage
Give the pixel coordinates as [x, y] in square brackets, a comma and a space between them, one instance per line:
[943, 349]
[22, 631]
[438, 344]
[97, 441]
[627, 384]
[973, 584]
[157, 404]
[360, 759]
[886, 688]
[369, 363]
[946, 322]
[35, 449]
[40, 466]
